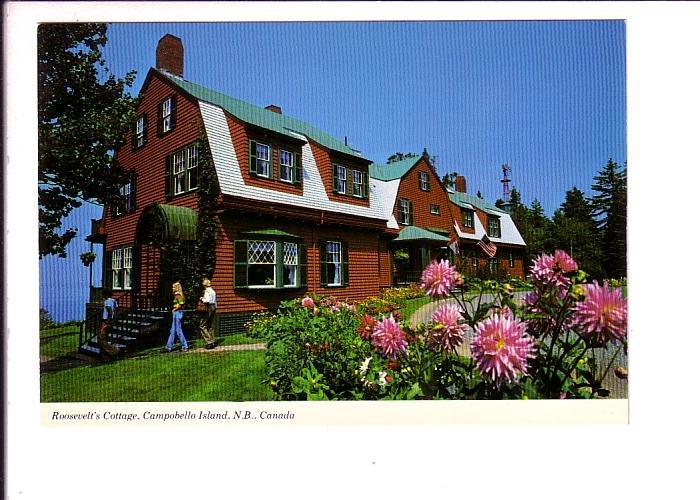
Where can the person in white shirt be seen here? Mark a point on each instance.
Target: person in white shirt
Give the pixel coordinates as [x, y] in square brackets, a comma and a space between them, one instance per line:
[206, 324]
[109, 310]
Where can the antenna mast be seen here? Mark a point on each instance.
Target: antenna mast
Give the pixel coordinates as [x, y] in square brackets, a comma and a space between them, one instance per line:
[506, 184]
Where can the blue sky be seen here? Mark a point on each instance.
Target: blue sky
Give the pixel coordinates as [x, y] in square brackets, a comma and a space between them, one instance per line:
[546, 97]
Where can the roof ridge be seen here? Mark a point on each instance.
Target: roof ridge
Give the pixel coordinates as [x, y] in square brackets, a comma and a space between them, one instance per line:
[259, 116]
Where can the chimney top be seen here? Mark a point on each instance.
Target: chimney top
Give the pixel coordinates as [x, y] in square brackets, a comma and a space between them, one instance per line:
[460, 184]
[170, 55]
[274, 108]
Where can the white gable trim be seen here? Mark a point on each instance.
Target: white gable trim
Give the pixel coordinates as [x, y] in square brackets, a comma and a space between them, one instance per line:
[314, 193]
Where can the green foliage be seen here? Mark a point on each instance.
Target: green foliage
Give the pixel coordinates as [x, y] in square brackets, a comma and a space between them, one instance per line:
[88, 258]
[610, 208]
[45, 319]
[84, 114]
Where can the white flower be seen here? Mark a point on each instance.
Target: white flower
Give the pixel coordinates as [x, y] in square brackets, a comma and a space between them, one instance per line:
[382, 378]
[365, 365]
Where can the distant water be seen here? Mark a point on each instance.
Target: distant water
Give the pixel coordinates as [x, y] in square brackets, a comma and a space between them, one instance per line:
[64, 285]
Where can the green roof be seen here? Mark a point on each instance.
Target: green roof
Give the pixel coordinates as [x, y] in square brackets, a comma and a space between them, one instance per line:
[461, 198]
[271, 232]
[261, 117]
[180, 222]
[391, 171]
[413, 233]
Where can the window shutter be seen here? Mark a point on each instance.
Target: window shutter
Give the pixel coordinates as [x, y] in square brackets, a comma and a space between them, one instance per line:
[348, 181]
[168, 177]
[298, 174]
[335, 178]
[345, 263]
[252, 157]
[303, 265]
[145, 128]
[324, 263]
[159, 118]
[410, 213]
[173, 111]
[133, 134]
[240, 266]
[365, 185]
[107, 270]
[132, 194]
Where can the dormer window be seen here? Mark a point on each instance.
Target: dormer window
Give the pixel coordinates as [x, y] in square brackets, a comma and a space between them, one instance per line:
[468, 218]
[140, 131]
[166, 115]
[260, 159]
[359, 184]
[340, 179]
[494, 227]
[423, 181]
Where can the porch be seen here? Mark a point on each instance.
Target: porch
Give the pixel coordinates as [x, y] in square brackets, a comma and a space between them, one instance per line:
[413, 249]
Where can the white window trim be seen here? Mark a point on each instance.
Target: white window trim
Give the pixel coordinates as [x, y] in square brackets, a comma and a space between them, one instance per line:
[274, 264]
[344, 179]
[258, 159]
[290, 166]
[404, 215]
[423, 181]
[139, 132]
[356, 184]
[339, 263]
[119, 255]
[166, 118]
[437, 207]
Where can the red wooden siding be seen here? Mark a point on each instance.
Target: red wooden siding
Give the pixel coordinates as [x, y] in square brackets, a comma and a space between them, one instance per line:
[324, 162]
[409, 189]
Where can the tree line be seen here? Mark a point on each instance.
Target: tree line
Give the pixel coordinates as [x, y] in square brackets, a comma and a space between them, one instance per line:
[592, 230]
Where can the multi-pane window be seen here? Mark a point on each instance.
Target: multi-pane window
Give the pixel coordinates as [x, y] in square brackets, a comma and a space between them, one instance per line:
[182, 170]
[334, 261]
[260, 159]
[290, 264]
[261, 263]
[511, 259]
[286, 171]
[165, 112]
[140, 131]
[340, 179]
[435, 209]
[269, 264]
[468, 218]
[121, 268]
[494, 227]
[358, 184]
[493, 265]
[423, 181]
[475, 260]
[125, 201]
[405, 212]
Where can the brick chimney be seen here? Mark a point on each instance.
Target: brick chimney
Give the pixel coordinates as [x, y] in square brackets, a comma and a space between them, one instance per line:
[460, 184]
[170, 55]
[274, 108]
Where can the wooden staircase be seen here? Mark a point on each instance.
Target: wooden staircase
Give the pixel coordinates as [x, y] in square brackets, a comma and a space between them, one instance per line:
[130, 330]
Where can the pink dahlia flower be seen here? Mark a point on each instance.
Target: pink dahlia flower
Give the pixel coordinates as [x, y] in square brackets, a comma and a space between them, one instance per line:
[552, 269]
[501, 348]
[388, 337]
[447, 332]
[439, 278]
[307, 302]
[602, 315]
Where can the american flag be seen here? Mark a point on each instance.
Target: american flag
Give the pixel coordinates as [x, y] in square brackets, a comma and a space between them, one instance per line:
[487, 246]
[454, 245]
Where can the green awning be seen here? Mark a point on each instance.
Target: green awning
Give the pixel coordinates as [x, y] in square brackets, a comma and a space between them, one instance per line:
[270, 232]
[160, 223]
[413, 233]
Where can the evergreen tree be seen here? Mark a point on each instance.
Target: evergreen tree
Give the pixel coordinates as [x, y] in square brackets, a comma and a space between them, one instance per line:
[83, 117]
[610, 209]
[576, 232]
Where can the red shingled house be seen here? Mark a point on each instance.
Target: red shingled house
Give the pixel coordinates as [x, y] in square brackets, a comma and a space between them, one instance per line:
[298, 211]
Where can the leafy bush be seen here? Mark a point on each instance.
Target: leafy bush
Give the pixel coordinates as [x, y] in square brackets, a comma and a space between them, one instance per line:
[45, 319]
[546, 346]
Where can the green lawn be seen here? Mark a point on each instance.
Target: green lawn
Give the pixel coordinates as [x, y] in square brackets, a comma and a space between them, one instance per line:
[412, 305]
[193, 376]
[58, 341]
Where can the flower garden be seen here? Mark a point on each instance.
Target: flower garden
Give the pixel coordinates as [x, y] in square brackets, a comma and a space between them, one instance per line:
[546, 346]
